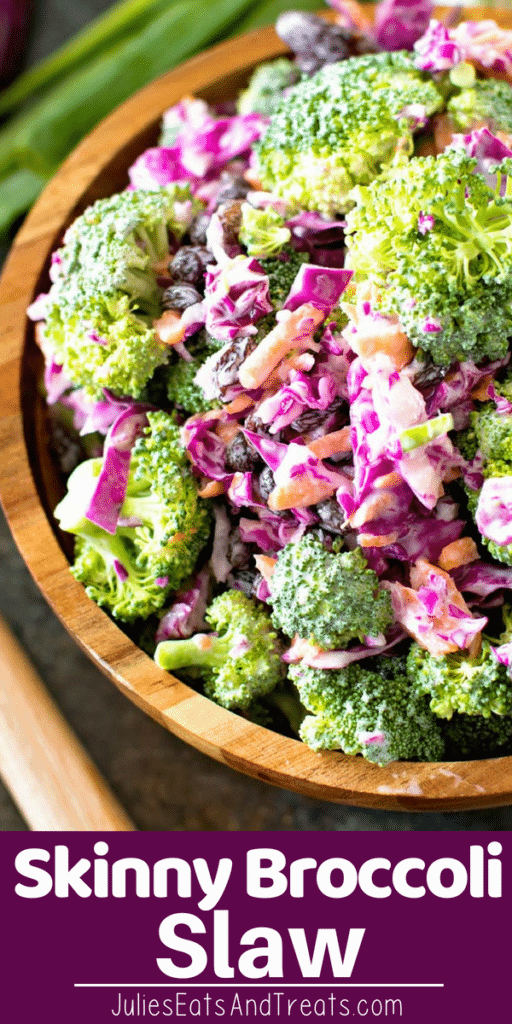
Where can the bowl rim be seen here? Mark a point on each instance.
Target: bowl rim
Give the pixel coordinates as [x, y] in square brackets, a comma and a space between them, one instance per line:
[223, 735]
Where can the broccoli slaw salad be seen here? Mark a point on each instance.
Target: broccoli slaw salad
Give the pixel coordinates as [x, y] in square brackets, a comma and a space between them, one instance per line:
[277, 368]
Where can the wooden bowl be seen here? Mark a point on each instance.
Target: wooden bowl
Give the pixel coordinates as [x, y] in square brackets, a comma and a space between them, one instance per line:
[28, 487]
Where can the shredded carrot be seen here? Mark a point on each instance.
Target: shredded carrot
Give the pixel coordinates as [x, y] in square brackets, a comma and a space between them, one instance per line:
[265, 565]
[226, 431]
[203, 642]
[372, 507]
[300, 648]
[452, 473]
[331, 444]
[305, 361]
[459, 552]
[381, 335]
[481, 390]
[300, 492]
[254, 182]
[238, 404]
[392, 479]
[368, 540]
[169, 328]
[356, 16]
[370, 335]
[212, 414]
[420, 573]
[292, 330]
[409, 612]
[211, 489]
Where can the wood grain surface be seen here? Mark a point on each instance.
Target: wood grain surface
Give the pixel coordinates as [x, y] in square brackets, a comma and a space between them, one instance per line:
[97, 168]
[53, 780]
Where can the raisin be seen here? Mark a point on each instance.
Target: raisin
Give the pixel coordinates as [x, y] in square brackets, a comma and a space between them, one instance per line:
[180, 297]
[298, 30]
[198, 228]
[245, 580]
[328, 49]
[254, 423]
[314, 41]
[66, 450]
[266, 483]
[231, 189]
[430, 376]
[238, 553]
[189, 264]
[314, 419]
[241, 457]
[331, 515]
[230, 216]
[230, 360]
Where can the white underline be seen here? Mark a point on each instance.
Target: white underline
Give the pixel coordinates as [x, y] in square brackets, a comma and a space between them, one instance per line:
[246, 984]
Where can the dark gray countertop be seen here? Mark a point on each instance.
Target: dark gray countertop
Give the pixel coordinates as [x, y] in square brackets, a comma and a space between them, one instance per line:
[162, 783]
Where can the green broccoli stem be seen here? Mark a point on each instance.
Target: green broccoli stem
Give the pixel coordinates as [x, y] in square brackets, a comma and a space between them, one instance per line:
[137, 282]
[202, 650]
[413, 437]
[113, 549]
[155, 242]
[145, 507]
[506, 635]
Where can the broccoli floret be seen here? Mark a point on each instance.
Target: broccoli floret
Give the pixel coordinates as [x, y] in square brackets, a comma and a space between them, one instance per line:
[123, 358]
[450, 282]
[458, 682]
[105, 290]
[282, 271]
[489, 433]
[493, 432]
[473, 736]
[487, 102]
[265, 89]
[325, 597]
[132, 572]
[115, 244]
[504, 387]
[181, 389]
[341, 127]
[240, 662]
[466, 442]
[368, 712]
[263, 232]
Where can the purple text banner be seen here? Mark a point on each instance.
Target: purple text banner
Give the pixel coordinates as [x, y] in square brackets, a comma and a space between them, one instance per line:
[274, 926]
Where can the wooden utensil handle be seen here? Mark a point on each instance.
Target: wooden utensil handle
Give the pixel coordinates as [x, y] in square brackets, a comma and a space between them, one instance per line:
[52, 779]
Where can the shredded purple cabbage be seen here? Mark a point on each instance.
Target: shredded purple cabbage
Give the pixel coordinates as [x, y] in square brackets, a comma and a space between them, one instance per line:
[399, 23]
[110, 491]
[186, 614]
[436, 51]
[203, 144]
[236, 297]
[322, 286]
